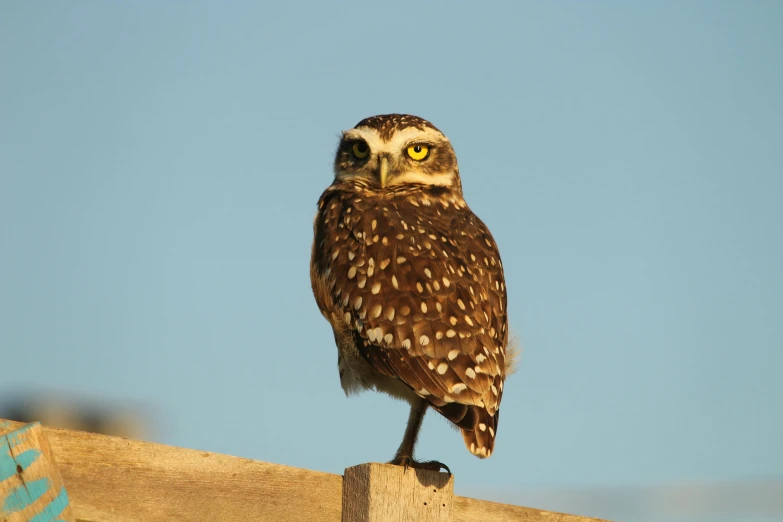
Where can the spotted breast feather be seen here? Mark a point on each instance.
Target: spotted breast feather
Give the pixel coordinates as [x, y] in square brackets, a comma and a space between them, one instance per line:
[417, 281]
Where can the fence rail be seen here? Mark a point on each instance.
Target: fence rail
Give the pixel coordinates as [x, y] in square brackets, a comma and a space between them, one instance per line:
[111, 479]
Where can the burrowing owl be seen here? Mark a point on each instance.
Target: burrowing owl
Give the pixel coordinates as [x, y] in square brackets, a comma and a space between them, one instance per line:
[411, 281]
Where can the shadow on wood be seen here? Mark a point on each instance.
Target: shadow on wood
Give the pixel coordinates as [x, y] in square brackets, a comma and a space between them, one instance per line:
[378, 492]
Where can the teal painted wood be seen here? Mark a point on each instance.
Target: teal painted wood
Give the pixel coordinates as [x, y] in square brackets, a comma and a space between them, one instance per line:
[8, 463]
[54, 509]
[24, 495]
[14, 460]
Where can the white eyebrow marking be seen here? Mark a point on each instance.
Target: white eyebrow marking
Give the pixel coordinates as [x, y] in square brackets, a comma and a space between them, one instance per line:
[399, 141]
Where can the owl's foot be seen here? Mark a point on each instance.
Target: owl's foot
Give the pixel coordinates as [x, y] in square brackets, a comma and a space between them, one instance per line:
[407, 462]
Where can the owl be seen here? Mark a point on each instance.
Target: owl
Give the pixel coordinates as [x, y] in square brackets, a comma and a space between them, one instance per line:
[411, 281]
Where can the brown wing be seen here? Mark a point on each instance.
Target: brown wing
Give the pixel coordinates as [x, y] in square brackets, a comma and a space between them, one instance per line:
[418, 281]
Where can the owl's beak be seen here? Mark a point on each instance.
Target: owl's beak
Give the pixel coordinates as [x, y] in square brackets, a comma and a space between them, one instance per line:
[383, 172]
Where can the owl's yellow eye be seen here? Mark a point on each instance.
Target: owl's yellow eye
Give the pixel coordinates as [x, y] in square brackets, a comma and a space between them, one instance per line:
[360, 149]
[418, 151]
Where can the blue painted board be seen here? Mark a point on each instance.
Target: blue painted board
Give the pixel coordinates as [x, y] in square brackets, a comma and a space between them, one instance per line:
[21, 488]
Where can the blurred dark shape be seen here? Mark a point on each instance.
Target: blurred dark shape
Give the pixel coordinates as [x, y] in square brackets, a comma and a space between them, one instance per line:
[107, 418]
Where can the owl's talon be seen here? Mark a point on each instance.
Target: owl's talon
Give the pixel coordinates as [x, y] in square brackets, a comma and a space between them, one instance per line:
[430, 465]
[404, 461]
[434, 465]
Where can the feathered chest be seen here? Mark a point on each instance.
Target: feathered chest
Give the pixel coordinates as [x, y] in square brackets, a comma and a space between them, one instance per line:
[414, 270]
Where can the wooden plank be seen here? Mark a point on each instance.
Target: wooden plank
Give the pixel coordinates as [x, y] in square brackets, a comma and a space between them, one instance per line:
[111, 479]
[376, 492]
[30, 485]
[472, 510]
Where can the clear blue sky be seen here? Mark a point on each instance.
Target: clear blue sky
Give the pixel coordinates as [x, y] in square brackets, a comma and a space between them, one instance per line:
[160, 164]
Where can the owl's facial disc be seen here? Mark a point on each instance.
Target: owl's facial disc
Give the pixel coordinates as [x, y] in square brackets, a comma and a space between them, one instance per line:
[409, 156]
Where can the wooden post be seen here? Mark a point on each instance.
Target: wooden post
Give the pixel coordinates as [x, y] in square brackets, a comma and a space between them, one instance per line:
[379, 492]
[30, 484]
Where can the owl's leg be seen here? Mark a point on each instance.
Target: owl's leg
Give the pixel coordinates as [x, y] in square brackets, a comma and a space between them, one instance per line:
[404, 456]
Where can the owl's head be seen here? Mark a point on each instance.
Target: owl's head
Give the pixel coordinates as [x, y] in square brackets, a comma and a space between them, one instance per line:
[391, 151]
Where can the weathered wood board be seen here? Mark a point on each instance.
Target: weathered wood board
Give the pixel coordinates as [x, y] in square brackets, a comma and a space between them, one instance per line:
[31, 488]
[111, 479]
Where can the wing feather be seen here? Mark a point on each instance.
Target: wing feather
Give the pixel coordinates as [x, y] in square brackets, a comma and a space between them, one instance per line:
[418, 281]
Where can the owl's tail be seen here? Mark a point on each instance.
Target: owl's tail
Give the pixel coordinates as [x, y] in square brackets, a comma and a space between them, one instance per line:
[480, 440]
[478, 427]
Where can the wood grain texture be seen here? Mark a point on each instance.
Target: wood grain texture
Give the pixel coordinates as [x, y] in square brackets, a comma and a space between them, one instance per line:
[472, 510]
[376, 492]
[30, 484]
[111, 479]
